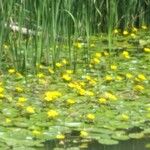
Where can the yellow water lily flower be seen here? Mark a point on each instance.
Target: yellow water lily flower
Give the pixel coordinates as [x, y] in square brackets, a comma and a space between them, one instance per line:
[108, 78]
[60, 137]
[141, 77]
[110, 96]
[52, 114]
[129, 75]
[125, 32]
[90, 117]
[125, 54]
[124, 117]
[51, 95]
[139, 88]
[83, 134]
[66, 77]
[71, 101]
[113, 67]
[30, 110]
[11, 71]
[19, 89]
[40, 75]
[147, 50]
[102, 100]
[115, 31]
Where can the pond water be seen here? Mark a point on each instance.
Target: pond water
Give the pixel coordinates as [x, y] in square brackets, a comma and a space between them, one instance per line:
[132, 144]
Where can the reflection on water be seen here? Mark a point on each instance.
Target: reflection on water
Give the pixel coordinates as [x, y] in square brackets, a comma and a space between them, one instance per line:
[94, 145]
[124, 145]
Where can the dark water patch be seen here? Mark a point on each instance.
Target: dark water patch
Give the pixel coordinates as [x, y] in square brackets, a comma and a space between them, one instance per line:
[132, 144]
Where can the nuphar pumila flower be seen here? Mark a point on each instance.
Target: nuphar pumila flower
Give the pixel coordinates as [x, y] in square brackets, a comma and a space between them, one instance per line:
[51, 95]
[52, 114]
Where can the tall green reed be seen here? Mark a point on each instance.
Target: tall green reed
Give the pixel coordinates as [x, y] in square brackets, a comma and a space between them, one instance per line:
[56, 23]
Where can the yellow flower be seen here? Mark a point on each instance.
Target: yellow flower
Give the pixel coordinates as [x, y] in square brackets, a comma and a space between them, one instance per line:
[71, 101]
[88, 78]
[102, 101]
[106, 53]
[78, 45]
[115, 31]
[125, 32]
[124, 117]
[144, 27]
[90, 117]
[92, 82]
[133, 35]
[110, 96]
[19, 89]
[1, 95]
[139, 88]
[36, 133]
[134, 29]
[59, 65]
[40, 75]
[69, 71]
[1, 90]
[50, 70]
[147, 49]
[52, 95]
[92, 45]
[125, 54]
[64, 61]
[6, 46]
[82, 91]
[118, 78]
[108, 78]
[11, 71]
[98, 55]
[89, 93]
[66, 77]
[8, 120]
[52, 114]
[60, 137]
[95, 61]
[141, 77]
[113, 67]
[129, 75]
[30, 110]
[22, 99]
[83, 134]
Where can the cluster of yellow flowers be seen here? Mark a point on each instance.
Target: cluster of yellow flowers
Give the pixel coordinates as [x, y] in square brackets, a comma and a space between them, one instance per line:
[67, 75]
[96, 59]
[52, 95]
[91, 81]
[60, 64]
